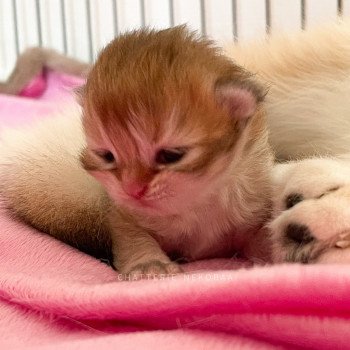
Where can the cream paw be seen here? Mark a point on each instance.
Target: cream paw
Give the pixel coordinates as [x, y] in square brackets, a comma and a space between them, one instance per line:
[311, 212]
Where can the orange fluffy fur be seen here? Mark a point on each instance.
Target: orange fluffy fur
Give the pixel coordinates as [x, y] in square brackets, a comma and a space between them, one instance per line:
[151, 91]
[150, 97]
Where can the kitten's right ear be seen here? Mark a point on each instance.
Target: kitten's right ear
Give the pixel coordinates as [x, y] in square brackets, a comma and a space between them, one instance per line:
[239, 98]
[79, 93]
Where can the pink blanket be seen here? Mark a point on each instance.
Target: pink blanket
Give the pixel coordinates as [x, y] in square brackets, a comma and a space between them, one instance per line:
[52, 296]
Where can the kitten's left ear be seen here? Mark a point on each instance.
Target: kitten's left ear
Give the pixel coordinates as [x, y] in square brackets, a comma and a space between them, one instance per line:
[79, 93]
[240, 99]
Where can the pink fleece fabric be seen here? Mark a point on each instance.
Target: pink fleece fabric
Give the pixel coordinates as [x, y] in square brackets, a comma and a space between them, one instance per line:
[54, 297]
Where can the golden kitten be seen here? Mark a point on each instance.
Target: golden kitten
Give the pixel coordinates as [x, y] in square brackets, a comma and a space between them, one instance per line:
[175, 142]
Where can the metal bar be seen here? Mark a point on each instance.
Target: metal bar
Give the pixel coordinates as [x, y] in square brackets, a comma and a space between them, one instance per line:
[171, 13]
[15, 20]
[115, 17]
[303, 15]
[89, 29]
[340, 7]
[143, 13]
[64, 29]
[234, 20]
[203, 18]
[268, 16]
[39, 23]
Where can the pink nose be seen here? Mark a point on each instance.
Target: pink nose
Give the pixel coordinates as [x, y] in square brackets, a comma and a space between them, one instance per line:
[135, 190]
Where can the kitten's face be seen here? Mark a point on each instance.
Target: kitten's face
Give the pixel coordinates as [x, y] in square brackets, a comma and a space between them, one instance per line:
[168, 168]
[164, 115]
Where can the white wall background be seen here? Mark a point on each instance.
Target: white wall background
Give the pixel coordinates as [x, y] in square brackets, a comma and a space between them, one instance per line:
[82, 27]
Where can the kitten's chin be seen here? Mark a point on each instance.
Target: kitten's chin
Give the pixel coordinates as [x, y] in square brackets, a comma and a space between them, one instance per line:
[156, 207]
[142, 206]
[184, 201]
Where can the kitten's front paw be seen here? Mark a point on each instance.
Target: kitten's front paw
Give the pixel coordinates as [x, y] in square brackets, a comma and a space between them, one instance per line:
[153, 269]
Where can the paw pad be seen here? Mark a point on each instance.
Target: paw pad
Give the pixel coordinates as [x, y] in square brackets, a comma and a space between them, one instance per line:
[299, 234]
[293, 199]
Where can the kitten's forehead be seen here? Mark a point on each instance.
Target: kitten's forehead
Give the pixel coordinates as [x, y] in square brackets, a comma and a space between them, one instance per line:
[140, 135]
[137, 123]
[171, 128]
[157, 87]
[137, 137]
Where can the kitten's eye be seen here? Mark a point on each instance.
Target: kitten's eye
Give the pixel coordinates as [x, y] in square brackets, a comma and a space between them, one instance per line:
[166, 156]
[106, 155]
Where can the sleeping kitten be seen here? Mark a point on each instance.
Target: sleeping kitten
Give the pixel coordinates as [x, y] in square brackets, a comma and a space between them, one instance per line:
[174, 133]
[308, 75]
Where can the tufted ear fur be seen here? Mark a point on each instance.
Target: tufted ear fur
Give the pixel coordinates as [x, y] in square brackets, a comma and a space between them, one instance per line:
[240, 99]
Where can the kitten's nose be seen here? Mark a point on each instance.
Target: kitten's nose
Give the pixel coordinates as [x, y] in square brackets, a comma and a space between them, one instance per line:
[135, 190]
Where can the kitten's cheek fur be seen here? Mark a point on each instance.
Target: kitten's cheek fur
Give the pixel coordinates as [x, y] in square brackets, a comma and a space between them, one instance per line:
[110, 183]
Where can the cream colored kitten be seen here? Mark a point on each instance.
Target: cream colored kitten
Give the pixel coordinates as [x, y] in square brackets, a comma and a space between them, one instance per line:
[308, 74]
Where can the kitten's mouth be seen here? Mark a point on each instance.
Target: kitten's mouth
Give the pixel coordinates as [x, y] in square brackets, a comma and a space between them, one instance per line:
[141, 202]
[151, 202]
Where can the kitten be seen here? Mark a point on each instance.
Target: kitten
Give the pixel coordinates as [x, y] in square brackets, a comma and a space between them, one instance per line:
[308, 74]
[175, 141]
[308, 113]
